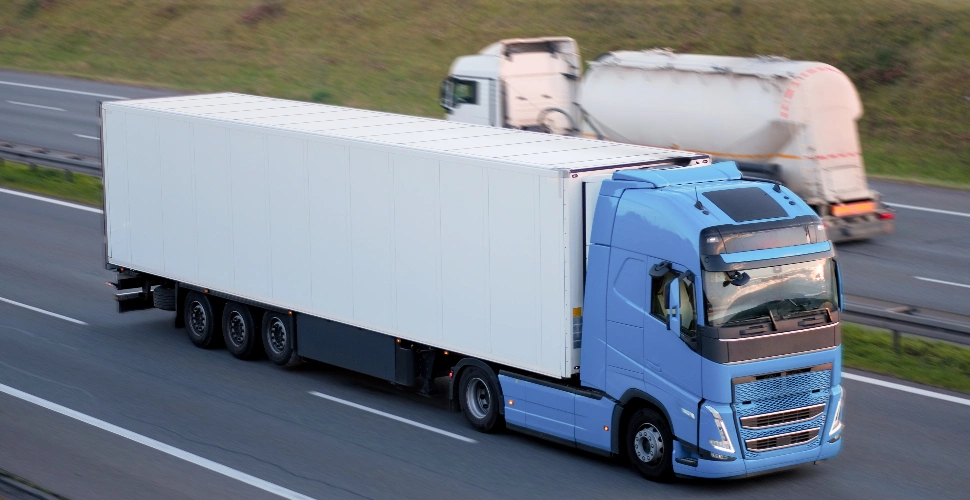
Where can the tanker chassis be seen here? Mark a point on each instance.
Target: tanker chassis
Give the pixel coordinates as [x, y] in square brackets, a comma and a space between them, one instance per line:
[620, 299]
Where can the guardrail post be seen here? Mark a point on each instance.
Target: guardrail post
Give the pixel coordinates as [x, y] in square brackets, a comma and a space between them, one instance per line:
[896, 341]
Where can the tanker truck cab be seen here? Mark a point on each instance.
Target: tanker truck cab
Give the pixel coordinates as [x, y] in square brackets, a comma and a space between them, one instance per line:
[710, 329]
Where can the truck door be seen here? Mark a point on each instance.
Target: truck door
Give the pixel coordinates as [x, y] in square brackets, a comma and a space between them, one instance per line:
[469, 100]
[667, 351]
[626, 305]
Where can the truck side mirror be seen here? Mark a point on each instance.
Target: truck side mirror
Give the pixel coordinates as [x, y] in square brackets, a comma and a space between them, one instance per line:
[447, 97]
[673, 306]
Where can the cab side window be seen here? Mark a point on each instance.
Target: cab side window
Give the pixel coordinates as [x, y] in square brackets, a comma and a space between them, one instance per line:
[466, 91]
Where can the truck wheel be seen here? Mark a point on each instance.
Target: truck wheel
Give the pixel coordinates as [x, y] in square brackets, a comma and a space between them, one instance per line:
[279, 341]
[649, 445]
[479, 399]
[239, 332]
[200, 321]
[163, 298]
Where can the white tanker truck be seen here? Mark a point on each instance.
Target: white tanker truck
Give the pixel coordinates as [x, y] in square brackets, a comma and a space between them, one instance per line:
[790, 121]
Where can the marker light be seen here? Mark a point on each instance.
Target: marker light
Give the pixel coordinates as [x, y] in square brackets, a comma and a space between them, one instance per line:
[511, 403]
[606, 428]
[837, 416]
[725, 443]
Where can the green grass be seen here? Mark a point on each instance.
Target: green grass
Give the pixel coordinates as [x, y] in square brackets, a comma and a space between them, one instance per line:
[51, 182]
[908, 57]
[930, 362]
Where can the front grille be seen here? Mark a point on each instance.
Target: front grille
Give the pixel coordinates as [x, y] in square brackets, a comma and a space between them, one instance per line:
[782, 440]
[782, 417]
[773, 405]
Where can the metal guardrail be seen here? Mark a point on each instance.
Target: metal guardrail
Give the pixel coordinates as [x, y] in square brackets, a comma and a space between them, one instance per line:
[49, 158]
[900, 318]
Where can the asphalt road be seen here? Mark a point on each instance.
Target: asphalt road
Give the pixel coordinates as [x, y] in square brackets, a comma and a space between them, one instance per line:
[137, 372]
[926, 244]
[58, 113]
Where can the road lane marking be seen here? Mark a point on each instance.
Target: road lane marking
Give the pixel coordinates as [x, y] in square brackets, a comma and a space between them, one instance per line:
[941, 281]
[52, 200]
[924, 209]
[82, 136]
[906, 388]
[394, 417]
[55, 89]
[36, 105]
[158, 445]
[37, 309]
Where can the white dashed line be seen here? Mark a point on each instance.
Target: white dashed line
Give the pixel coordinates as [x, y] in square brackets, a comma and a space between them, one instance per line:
[53, 201]
[82, 136]
[906, 388]
[37, 309]
[931, 280]
[158, 445]
[924, 209]
[55, 89]
[35, 106]
[394, 417]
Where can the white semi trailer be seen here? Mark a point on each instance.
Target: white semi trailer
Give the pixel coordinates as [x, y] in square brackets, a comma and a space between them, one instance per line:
[789, 121]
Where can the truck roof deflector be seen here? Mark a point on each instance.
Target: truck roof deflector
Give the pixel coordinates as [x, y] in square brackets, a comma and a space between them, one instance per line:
[724, 171]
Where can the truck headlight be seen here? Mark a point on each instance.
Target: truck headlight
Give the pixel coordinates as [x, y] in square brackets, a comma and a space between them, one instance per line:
[837, 424]
[725, 443]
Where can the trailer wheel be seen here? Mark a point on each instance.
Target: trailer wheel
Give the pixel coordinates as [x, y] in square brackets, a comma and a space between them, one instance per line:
[479, 399]
[279, 341]
[200, 321]
[239, 331]
[649, 445]
[163, 298]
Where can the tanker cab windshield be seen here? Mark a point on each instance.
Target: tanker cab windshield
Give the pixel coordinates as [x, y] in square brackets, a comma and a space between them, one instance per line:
[771, 294]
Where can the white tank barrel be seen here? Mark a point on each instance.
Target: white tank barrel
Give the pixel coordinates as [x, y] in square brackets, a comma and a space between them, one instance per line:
[798, 115]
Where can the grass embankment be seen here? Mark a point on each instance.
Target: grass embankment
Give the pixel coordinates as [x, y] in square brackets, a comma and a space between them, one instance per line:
[907, 57]
[51, 182]
[930, 362]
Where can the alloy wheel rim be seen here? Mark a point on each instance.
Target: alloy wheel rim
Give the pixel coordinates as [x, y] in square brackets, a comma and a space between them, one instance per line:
[197, 318]
[277, 336]
[478, 397]
[237, 329]
[648, 444]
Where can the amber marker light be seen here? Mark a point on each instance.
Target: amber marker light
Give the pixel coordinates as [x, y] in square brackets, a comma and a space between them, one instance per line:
[606, 428]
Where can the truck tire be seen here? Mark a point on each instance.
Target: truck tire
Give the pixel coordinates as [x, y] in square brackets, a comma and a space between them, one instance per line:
[200, 321]
[279, 340]
[163, 298]
[480, 400]
[649, 445]
[239, 331]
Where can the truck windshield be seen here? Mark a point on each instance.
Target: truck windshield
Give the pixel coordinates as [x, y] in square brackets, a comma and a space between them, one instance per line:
[779, 291]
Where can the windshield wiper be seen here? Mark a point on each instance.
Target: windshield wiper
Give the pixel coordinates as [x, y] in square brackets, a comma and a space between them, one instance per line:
[771, 316]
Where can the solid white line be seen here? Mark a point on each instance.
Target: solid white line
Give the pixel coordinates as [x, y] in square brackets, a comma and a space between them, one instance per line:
[37, 309]
[906, 388]
[162, 447]
[55, 89]
[52, 200]
[934, 210]
[82, 136]
[35, 105]
[394, 417]
[941, 281]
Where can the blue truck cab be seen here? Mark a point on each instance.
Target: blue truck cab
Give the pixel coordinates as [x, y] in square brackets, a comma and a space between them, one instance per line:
[711, 342]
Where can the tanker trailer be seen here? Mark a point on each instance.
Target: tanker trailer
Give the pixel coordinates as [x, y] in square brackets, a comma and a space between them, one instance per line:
[793, 122]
